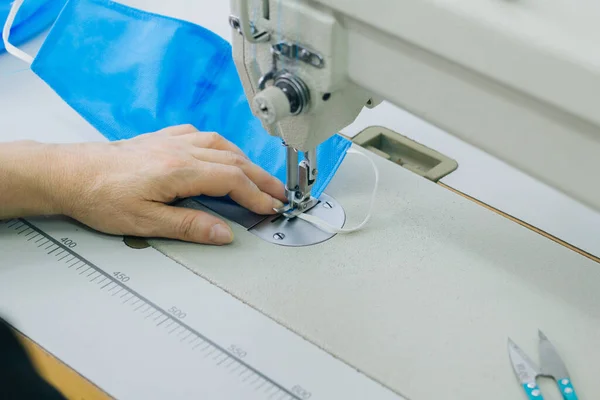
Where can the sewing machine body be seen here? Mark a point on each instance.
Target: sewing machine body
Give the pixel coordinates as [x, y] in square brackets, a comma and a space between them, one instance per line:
[424, 298]
[520, 81]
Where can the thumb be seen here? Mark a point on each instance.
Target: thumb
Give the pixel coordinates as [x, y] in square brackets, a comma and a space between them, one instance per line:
[190, 225]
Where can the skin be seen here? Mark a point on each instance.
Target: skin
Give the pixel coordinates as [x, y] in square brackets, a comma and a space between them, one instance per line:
[125, 187]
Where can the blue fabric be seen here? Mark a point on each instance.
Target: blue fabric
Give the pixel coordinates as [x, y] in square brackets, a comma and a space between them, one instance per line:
[129, 72]
[33, 17]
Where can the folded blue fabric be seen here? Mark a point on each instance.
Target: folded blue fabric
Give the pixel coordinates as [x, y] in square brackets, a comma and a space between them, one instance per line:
[33, 17]
[129, 72]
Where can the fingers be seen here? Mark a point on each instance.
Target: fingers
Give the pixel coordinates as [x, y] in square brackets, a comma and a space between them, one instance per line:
[224, 169]
[218, 180]
[189, 225]
[265, 181]
[211, 140]
[178, 130]
[207, 140]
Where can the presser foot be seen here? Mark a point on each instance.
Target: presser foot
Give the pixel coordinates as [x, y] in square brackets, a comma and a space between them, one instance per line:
[285, 229]
[291, 211]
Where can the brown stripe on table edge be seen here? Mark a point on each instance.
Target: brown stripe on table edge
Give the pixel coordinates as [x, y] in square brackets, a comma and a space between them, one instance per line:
[523, 223]
[72, 385]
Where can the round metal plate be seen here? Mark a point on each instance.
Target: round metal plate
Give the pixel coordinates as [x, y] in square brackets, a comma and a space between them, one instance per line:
[296, 232]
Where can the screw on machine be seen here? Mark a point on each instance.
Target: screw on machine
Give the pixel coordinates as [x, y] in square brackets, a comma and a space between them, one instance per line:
[279, 236]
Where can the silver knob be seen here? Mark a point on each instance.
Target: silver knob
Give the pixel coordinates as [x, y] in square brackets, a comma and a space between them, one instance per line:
[271, 105]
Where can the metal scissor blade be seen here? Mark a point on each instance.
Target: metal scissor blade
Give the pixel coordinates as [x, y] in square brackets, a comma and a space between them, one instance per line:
[551, 364]
[525, 369]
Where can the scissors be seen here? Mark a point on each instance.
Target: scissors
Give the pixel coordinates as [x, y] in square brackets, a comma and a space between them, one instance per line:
[551, 367]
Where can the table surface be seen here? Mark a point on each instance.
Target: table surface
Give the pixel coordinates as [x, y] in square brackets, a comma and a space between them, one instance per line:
[76, 387]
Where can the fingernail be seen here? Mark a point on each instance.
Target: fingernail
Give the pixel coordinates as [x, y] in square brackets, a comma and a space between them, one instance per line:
[277, 203]
[220, 234]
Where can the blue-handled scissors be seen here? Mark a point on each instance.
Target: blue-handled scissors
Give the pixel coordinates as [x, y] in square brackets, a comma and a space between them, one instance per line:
[551, 367]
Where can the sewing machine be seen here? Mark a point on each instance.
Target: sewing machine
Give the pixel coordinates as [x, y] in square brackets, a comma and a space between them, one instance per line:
[422, 300]
[309, 68]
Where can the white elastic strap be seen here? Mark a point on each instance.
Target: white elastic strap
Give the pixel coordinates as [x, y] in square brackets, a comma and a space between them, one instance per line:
[323, 225]
[6, 32]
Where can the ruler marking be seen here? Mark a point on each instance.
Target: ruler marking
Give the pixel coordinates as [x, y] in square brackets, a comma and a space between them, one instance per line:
[24, 230]
[135, 302]
[95, 278]
[185, 337]
[117, 292]
[109, 283]
[33, 237]
[248, 377]
[236, 368]
[210, 352]
[200, 344]
[32, 231]
[258, 378]
[269, 388]
[205, 347]
[161, 322]
[58, 254]
[52, 251]
[223, 360]
[13, 224]
[261, 385]
[151, 314]
[51, 244]
[90, 274]
[273, 394]
[231, 361]
[174, 329]
[129, 298]
[63, 257]
[124, 294]
[85, 270]
[42, 237]
[152, 304]
[81, 266]
[69, 260]
[170, 323]
[75, 263]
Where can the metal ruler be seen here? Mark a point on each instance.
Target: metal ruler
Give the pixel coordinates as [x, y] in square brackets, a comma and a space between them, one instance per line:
[141, 326]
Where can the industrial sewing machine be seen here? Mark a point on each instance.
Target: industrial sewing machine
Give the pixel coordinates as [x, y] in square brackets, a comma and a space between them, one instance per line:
[423, 303]
[508, 85]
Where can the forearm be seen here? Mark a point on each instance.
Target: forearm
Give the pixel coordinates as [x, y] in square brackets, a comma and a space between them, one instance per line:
[29, 182]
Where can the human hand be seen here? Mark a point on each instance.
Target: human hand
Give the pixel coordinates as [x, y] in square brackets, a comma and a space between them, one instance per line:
[124, 187]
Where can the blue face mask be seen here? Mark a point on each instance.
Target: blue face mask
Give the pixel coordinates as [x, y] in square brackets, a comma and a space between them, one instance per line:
[129, 72]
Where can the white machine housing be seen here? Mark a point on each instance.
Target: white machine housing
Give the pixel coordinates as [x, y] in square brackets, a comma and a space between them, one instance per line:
[518, 79]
